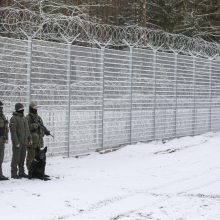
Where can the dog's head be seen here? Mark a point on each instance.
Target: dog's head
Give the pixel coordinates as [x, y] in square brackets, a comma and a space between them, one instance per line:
[41, 155]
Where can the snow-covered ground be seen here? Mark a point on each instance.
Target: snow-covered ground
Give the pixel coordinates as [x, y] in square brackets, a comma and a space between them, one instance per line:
[178, 180]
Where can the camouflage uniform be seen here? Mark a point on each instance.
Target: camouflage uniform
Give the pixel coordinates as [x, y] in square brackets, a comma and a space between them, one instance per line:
[38, 130]
[3, 139]
[20, 136]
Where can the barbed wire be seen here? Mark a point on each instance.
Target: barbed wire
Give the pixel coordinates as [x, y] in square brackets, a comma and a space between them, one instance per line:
[47, 20]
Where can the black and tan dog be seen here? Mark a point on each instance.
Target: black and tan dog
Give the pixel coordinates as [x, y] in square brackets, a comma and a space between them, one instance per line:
[37, 168]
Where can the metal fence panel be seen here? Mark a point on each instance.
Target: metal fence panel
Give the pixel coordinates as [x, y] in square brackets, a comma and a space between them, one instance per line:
[86, 99]
[96, 98]
[143, 95]
[215, 96]
[13, 76]
[117, 104]
[165, 99]
[49, 89]
[185, 95]
[202, 99]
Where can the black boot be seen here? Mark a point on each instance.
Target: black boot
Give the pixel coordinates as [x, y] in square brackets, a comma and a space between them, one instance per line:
[2, 177]
[23, 175]
[15, 177]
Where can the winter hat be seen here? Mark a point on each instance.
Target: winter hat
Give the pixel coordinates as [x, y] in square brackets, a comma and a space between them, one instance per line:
[1, 104]
[33, 105]
[18, 106]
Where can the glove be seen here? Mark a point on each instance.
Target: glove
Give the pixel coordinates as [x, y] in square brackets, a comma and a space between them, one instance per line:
[47, 132]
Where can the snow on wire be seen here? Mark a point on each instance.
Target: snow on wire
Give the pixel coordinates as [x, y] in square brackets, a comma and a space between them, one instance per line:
[44, 20]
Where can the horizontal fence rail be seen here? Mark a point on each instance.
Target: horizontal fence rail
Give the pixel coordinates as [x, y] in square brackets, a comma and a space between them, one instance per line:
[98, 98]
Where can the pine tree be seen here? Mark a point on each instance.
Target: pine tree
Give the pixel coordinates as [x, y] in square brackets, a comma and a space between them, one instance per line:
[194, 18]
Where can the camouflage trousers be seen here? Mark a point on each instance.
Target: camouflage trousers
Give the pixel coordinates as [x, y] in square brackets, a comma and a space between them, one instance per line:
[31, 152]
[2, 152]
[18, 158]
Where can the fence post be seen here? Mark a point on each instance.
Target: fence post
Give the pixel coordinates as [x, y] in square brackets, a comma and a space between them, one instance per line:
[194, 96]
[29, 64]
[131, 87]
[69, 47]
[103, 90]
[69, 95]
[175, 79]
[154, 93]
[210, 94]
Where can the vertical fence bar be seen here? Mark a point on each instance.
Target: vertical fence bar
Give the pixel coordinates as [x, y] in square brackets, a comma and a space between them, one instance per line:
[175, 94]
[29, 64]
[69, 96]
[103, 91]
[210, 94]
[131, 87]
[194, 96]
[154, 93]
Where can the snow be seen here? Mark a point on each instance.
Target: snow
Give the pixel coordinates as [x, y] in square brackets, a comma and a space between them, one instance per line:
[176, 180]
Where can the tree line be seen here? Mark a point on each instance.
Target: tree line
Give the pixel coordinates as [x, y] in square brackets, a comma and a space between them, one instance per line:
[193, 18]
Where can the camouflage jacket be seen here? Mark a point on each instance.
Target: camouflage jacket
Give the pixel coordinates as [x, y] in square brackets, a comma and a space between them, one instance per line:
[37, 128]
[20, 133]
[3, 127]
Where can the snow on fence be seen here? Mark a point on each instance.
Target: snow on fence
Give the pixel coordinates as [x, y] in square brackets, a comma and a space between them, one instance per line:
[96, 98]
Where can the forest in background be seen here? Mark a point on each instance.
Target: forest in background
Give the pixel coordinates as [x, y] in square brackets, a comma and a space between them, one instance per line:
[193, 18]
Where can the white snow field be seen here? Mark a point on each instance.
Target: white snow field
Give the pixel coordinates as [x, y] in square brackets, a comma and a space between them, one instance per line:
[177, 180]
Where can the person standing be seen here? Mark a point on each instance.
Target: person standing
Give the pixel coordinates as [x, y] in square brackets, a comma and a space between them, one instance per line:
[38, 130]
[3, 139]
[21, 137]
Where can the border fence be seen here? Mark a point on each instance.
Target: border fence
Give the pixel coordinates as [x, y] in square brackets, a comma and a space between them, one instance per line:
[97, 98]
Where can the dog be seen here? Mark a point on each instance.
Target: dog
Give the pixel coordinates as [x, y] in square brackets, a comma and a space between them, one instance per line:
[37, 168]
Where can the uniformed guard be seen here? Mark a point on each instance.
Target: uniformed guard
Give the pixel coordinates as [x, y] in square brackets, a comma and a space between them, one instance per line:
[21, 138]
[3, 139]
[38, 130]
